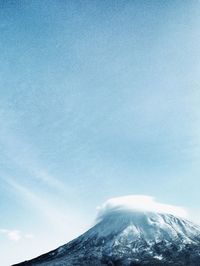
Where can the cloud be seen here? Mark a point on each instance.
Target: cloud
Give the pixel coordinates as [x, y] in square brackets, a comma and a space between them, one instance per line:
[12, 142]
[15, 235]
[62, 219]
[52, 213]
[138, 203]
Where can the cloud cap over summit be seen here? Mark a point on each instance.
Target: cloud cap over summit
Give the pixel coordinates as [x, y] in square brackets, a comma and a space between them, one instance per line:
[141, 203]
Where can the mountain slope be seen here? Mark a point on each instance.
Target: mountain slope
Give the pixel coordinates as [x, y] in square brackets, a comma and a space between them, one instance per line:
[130, 238]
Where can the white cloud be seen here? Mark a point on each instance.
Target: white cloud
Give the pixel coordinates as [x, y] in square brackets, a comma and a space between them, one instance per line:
[138, 203]
[15, 235]
[29, 236]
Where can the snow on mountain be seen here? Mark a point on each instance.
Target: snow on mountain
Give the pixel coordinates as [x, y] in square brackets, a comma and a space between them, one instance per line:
[130, 236]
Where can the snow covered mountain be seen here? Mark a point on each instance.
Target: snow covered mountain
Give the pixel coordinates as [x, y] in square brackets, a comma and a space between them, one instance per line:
[130, 237]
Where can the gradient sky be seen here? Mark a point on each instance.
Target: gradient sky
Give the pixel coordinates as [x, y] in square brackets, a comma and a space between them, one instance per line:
[98, 99]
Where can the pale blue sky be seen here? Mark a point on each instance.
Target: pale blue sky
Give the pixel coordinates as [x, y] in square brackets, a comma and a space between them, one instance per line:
[97, 99]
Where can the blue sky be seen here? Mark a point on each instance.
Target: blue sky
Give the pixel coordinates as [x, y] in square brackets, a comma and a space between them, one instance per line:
[98, 99]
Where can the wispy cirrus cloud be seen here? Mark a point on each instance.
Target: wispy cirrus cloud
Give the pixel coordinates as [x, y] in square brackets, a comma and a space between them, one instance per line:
[63, 218]
[37, 201]
[20, 153]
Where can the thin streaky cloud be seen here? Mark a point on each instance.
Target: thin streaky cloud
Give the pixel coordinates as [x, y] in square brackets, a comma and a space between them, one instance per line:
[52, 213]
[21, 154]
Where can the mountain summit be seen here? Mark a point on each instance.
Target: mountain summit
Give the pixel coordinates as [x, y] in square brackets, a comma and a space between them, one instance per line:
[126, 235]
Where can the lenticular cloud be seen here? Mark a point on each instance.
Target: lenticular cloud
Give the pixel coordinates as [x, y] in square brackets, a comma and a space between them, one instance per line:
[138, 203]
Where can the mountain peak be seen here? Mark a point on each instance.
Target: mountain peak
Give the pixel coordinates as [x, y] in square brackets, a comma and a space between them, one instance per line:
[151, 226]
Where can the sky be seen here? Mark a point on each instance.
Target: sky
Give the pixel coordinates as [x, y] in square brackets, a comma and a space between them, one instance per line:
[98, 99]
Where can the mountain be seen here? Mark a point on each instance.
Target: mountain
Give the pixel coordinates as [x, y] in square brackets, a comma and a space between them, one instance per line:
[130, 238]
